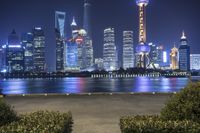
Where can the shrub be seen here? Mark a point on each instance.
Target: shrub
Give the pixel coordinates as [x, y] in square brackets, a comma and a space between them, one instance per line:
[41, 122]
[154, 124]
[185, 105]
[7, 114]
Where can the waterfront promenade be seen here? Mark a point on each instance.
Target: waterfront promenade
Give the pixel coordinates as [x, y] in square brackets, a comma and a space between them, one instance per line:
[95, 113]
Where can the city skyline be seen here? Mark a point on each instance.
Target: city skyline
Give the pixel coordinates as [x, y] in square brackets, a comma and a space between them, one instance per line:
[167, 36]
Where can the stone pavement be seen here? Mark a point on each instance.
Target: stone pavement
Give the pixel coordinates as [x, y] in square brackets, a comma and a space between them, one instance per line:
[95, 113]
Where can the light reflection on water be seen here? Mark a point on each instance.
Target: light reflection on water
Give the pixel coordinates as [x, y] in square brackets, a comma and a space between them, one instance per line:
[85, 85]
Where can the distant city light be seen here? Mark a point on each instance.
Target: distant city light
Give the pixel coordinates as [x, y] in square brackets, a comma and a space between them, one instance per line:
[4, 46]
[3, 71]
[79, 40]
[38, 28]
[165, 57]
[14, 46]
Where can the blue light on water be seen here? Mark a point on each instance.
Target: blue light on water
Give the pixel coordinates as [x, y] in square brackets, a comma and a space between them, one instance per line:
[73, 85]
[85, 85]
[14, 87]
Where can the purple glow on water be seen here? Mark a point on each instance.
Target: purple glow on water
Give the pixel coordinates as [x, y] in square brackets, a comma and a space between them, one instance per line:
[86, 85]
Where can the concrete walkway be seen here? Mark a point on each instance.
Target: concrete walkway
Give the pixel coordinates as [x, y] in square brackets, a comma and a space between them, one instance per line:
[93, 114]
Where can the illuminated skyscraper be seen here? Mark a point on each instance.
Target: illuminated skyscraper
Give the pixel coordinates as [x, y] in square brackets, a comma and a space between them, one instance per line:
[142, 49]
[128, 50]
[27, 42]
[2, 58]
[174, 58]
[195, 61]
[72, 56]
[87, 53]
[87, 42]
[74, 29]
[87, 17]
[184, 54]
[39, 50]
[153, 53]
[14, 54]
[72, 53]
[157, 56]
[60, 22]
[109, 50]
[60, 40]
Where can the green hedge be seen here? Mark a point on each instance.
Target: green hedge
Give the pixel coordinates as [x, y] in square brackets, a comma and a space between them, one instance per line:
[7, 114]
[185, 105]
[41, 122]
[154, 124]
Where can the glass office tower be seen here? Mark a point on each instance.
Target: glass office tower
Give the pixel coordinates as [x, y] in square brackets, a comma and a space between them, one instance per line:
[60, 40]
[39, 50]
[109, 50]
[27, 43]
[128, 50]
[184, 54]
[14, 54]
[195, 61]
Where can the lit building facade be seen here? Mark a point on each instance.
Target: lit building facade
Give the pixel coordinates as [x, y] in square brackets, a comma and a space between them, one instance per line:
[84, 47]
[27, 43]
[160, 50]
[142, 50]
[128, 50]
[109, 50]
[184, 54]
[39, 50]
[158, 56]
[72, 56]
[174, 58]
[87, 54]
[87, 51]
[2, 58]
[195, 61]
[99, 63]
[153, 54]
[60, 40]
[72, 50]
[14, 54]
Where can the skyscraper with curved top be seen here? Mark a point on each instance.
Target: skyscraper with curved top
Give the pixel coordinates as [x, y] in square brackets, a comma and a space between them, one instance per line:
[142, 49]
[60, 22]
[60, 40]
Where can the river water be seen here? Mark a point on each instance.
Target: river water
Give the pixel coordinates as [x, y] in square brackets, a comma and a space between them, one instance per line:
[92, 85]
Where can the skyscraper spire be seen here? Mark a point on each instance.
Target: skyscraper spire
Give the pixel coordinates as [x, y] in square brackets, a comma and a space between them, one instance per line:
[183, 35]
[184, 54]
[142, 49]
[174, 45]
[74, 22]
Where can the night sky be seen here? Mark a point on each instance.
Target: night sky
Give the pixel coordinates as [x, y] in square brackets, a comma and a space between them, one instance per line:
[165, 21]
